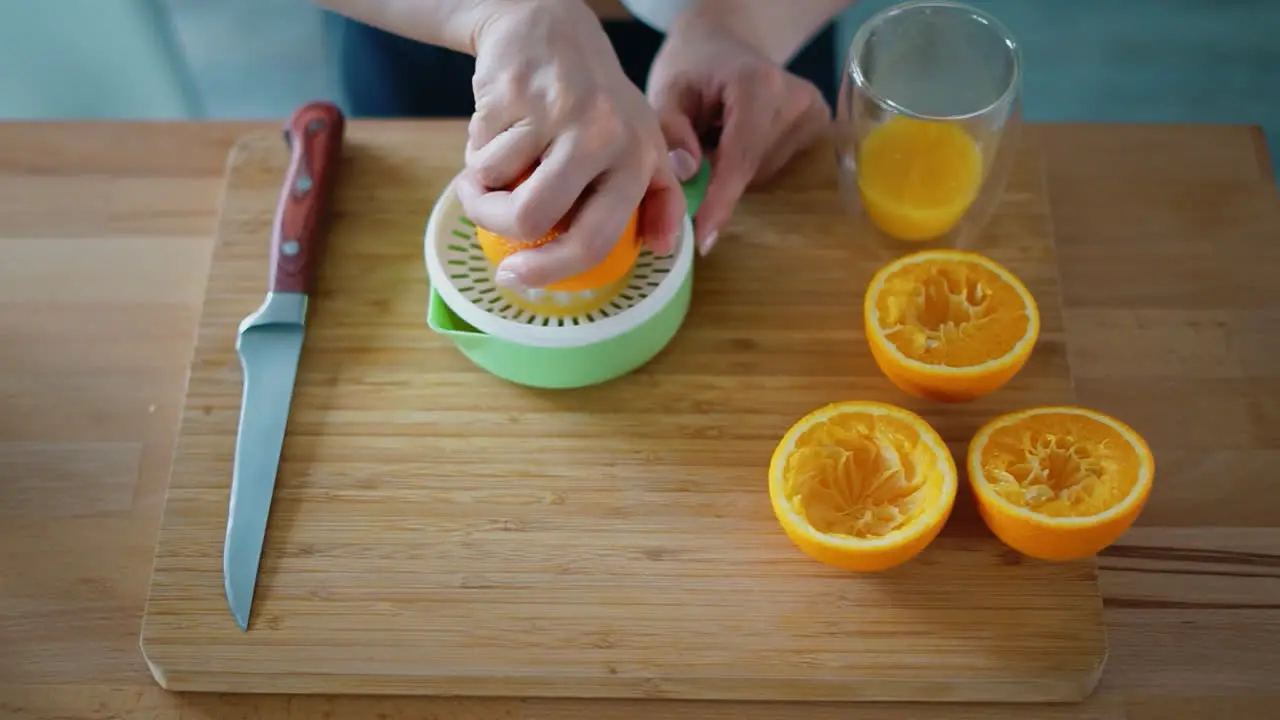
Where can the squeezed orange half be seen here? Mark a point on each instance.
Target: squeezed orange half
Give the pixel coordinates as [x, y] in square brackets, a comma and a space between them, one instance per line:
[1059, 483]
[949, 325]
[862, 485]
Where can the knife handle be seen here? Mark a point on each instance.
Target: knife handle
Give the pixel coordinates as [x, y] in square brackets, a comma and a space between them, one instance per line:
[314, 135]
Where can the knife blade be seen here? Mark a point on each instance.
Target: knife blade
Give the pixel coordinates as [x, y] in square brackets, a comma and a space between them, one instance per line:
[269, 343]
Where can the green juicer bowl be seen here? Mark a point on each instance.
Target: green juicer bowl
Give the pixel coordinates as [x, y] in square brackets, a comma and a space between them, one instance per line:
[554, 353]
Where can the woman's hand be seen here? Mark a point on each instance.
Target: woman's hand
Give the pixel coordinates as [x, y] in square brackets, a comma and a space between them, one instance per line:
[707, 77]
[550, 93]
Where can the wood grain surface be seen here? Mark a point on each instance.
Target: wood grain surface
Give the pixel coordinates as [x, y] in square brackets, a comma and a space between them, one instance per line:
[439, 531]
[105, 241]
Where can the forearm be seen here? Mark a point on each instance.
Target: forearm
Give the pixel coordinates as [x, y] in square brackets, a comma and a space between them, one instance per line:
[776, 28]
[453, 24]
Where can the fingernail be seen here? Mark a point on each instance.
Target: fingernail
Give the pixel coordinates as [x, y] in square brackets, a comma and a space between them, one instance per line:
[708, 242]
[508, 279]
[682, 164]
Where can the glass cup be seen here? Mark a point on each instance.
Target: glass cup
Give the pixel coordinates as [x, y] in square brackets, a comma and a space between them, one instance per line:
[927, 123]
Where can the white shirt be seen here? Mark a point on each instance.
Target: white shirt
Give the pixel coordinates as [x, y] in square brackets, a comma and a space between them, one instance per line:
[657, 14]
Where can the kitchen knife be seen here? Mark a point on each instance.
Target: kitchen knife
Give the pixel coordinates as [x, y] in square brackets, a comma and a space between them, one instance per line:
[270, 342]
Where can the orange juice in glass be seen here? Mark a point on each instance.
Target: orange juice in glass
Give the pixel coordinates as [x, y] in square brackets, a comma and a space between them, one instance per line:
[927, 122]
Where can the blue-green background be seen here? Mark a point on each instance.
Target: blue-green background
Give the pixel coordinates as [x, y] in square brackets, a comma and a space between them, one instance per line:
[1215, 61]
[1086, 60]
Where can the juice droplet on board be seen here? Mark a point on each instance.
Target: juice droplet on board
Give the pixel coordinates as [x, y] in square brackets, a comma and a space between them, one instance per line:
[918, 177]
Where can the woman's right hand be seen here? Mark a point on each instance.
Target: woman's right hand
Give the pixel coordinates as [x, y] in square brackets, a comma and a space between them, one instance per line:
[550, 93]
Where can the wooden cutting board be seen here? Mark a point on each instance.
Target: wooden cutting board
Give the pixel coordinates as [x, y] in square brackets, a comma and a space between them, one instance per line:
[438, 531]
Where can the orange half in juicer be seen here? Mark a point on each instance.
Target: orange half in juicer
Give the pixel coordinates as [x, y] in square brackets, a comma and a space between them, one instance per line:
[583, 293]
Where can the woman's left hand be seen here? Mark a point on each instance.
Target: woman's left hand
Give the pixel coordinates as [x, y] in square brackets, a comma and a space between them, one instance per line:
[706, 79]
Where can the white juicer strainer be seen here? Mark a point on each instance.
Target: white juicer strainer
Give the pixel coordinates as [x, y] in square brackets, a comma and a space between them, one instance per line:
[552, 340]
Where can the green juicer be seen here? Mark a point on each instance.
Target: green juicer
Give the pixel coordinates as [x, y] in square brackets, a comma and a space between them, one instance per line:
[545, 350]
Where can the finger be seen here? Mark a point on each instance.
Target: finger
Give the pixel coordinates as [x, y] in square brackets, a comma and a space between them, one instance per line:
[480, 203]
[684, 150]
[507, 157]
[678, 131]
[809, 127]
[595, 230]
[684, 153]
[571, 164]
[490, 120]
[729, 180]
[748, 128]
[662, 213]
[548, 197]
[676, 108]
[494, 210]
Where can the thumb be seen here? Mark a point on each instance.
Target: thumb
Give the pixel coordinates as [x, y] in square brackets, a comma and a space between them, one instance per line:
[684, 150]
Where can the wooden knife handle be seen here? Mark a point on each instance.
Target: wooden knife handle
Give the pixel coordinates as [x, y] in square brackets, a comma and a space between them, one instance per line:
[314, 135]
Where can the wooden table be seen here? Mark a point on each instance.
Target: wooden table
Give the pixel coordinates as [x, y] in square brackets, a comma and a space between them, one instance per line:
[1169, 239]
